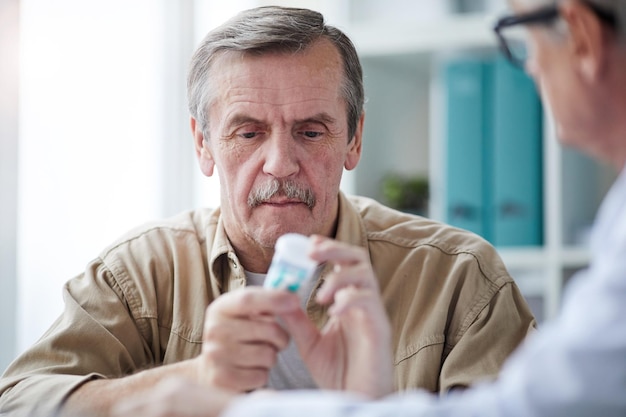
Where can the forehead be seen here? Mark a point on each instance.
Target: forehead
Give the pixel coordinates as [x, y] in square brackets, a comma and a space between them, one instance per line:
[528, 5]
[274, 76]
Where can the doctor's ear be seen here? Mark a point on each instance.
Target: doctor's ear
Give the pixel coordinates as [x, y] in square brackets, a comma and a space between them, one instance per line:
[588, 39]
[203, 151]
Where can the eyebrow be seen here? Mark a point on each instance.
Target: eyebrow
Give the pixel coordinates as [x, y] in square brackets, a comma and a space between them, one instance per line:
[322, 117]
[240, 119]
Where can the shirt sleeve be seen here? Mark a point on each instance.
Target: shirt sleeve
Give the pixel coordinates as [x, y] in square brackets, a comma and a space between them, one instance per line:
[575, 365]
[484, 343]
[95, 337]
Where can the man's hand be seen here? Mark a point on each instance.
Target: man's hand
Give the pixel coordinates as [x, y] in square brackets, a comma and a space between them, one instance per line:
[242, 337]
[353, 350]
[240, 342]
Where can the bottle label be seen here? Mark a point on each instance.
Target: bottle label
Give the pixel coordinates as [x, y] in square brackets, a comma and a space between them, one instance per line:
[283, 275]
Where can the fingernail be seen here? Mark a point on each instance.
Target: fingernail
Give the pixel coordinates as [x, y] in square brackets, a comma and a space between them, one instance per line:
[322, 295]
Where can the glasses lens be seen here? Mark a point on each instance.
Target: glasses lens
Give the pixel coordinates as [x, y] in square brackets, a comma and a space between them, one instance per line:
[516, 40]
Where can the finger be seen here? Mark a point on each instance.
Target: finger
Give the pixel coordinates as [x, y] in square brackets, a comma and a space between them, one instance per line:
[351, 266]
[356, 299]
[253, 355]
[362, 313]
[359, 275]
[231, 332]
[250, 301]
[324, 249]
[367, 334]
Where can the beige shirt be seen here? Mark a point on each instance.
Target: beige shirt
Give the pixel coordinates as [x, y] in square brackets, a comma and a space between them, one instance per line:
[456, 313]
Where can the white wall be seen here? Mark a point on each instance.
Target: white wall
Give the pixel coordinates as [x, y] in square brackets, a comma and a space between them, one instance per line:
[90, 139]
[9, 30]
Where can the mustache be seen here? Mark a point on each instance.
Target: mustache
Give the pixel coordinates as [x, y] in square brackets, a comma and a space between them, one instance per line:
[287, 188]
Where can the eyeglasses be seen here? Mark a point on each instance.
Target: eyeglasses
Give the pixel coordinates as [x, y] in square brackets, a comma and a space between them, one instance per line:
[512, 37]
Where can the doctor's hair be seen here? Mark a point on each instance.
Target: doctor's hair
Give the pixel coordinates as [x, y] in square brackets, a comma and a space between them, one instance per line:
[611, 13]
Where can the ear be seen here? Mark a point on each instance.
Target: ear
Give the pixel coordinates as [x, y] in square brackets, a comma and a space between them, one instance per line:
[588, 39]
[203, 153]
[355, 146]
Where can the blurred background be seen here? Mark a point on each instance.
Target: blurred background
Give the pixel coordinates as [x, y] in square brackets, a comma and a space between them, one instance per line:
[95, 138]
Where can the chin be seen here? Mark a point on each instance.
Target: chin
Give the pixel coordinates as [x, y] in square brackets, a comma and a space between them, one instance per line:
[565, 136]
[267, 237]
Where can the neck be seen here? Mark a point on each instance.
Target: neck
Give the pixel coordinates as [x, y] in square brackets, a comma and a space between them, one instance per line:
[615, 105]
[254, 257]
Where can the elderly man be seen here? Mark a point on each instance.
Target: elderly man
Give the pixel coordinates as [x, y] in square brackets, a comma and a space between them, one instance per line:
[276, 100]
[576, 366]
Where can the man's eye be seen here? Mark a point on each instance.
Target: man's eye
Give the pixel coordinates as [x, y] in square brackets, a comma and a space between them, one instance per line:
[312, 134]
[248, 135]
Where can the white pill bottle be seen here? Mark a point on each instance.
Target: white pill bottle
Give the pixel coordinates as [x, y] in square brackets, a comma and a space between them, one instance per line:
[291, 264]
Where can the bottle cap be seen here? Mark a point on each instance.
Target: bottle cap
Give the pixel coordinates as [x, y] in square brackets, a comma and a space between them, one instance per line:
[295, 247]
[291, 264]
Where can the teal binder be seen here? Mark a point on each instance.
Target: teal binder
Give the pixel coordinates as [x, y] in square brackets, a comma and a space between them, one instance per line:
[494, 153]
[467, 89]
[517, 204]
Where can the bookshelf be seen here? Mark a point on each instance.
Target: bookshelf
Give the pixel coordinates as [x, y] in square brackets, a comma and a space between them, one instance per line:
[404, 134]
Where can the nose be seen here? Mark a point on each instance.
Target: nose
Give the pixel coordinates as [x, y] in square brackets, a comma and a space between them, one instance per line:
[281, 155]
[532, 69]
[530, 66]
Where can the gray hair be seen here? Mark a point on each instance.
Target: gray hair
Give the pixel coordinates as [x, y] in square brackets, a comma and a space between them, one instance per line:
[615, 8]
[266, 30]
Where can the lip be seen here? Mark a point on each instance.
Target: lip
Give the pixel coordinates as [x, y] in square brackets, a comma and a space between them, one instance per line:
[282, 202]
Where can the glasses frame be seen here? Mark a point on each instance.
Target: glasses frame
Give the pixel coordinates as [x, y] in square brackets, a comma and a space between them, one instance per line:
[542, 16]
